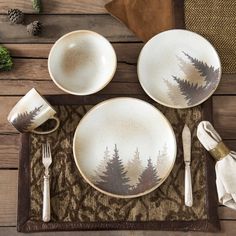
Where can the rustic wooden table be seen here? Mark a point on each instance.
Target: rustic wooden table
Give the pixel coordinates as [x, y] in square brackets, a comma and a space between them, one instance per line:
[30, 70]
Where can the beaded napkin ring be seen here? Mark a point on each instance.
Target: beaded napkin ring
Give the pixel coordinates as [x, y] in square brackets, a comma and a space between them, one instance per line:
[220, 151]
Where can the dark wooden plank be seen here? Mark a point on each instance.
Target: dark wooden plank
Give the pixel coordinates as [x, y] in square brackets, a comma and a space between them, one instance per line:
[9, 151]
[125, 52]
[37, 69]
[227, 84]
[57, 6]
[20, 87]
[224, 116]
[54, 26]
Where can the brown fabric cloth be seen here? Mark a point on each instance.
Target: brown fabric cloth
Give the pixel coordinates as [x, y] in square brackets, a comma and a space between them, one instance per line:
[145, 18]
[216, 21]
[75, 205]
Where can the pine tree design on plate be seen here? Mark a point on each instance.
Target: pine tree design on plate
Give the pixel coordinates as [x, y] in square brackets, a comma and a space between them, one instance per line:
[193, 91]
[114, 179]
[148, 179]
[24, 120]
[102, 164]
[134, 168]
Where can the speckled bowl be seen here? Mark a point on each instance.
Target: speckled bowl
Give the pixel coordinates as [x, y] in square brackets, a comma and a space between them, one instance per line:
[82, 62]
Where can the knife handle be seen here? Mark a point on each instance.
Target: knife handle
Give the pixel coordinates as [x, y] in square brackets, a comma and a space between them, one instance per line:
[188, 186]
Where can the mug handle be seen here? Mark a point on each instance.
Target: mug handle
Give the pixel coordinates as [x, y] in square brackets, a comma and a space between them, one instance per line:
[49, 131]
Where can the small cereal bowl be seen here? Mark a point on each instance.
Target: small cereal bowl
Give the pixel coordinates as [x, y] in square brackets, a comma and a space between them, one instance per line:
[82, 62]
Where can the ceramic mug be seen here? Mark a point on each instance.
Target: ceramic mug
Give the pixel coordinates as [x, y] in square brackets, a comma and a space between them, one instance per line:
[30, 112]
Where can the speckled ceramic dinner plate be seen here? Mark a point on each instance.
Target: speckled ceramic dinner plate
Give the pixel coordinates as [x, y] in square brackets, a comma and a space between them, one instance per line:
[124, 147]
[179, 68]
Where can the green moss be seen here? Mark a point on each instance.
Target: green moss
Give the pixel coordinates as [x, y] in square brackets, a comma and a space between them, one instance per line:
[5, 59]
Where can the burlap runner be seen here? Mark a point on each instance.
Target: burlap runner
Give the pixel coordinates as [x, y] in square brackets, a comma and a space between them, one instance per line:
[216, 21]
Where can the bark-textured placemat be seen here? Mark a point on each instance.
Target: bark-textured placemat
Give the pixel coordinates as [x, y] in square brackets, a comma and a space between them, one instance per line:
[216, 21]
[77, 206]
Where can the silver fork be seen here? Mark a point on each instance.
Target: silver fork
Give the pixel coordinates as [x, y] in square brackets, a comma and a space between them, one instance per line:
[47, 160]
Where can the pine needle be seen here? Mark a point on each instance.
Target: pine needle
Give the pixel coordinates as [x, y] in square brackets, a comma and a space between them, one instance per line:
[5, 59]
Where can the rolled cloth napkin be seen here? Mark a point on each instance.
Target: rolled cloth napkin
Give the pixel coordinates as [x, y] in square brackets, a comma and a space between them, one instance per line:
[146, 18]
[225, 166]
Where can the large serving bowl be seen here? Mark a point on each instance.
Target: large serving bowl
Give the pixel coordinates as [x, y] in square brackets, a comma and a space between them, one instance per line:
[179, 68]
[82, 62]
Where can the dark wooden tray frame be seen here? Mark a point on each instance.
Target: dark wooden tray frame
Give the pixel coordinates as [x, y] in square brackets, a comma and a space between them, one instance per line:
[24, 224]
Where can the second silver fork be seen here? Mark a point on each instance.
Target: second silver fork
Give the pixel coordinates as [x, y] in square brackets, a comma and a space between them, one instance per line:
[47, 160]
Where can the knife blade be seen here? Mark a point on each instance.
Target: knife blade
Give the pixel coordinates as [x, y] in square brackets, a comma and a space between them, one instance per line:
[186, 138]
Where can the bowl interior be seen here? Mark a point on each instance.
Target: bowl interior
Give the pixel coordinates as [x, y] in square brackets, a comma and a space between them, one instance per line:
[82, 62]
[179, 68]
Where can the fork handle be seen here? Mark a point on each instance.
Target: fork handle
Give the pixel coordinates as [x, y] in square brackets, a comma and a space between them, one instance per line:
[46, 199]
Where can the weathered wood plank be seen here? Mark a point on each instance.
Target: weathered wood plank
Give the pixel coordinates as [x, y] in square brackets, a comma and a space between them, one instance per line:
[54, 26]
[8, 197]
[224, 116]
[37, 69]
[227, 84]
[57, 6]
[126, 52]
[9, 151]
[20, 87]
[6, 104]
[35, 72]
[228, 229]
[226, 213]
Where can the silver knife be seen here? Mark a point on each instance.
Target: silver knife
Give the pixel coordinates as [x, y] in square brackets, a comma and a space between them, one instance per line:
[186, 137]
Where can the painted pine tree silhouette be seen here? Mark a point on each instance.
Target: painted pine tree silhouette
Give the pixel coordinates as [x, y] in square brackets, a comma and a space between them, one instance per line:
[102, 164]
[114, 178]
[134, 168]
[189, 88]
[173, 93]
[24, 120]
[148, 179]
[208, 73]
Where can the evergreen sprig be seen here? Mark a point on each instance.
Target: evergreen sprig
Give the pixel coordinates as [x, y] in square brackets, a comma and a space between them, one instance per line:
[5, 59]
[37, 6]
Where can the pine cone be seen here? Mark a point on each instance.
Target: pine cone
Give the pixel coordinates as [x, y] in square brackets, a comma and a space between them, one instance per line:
[34, 28]
[16, 16]
[37, 5]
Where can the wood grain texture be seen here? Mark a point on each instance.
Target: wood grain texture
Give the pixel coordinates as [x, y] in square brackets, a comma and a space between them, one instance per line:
[125, 52]
[228, 229]
[227, 84]
[54, 26]
[9, 151]
[37, 69]
[57, 6]
[224, 116]
[8, 196]
[20, 83]
[21, 87]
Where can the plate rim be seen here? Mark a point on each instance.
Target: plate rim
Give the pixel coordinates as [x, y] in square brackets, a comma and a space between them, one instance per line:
[118, 195]
[163, 103]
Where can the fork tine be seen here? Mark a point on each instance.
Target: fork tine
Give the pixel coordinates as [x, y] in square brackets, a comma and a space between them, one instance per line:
[43, 151]
[49, 150]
